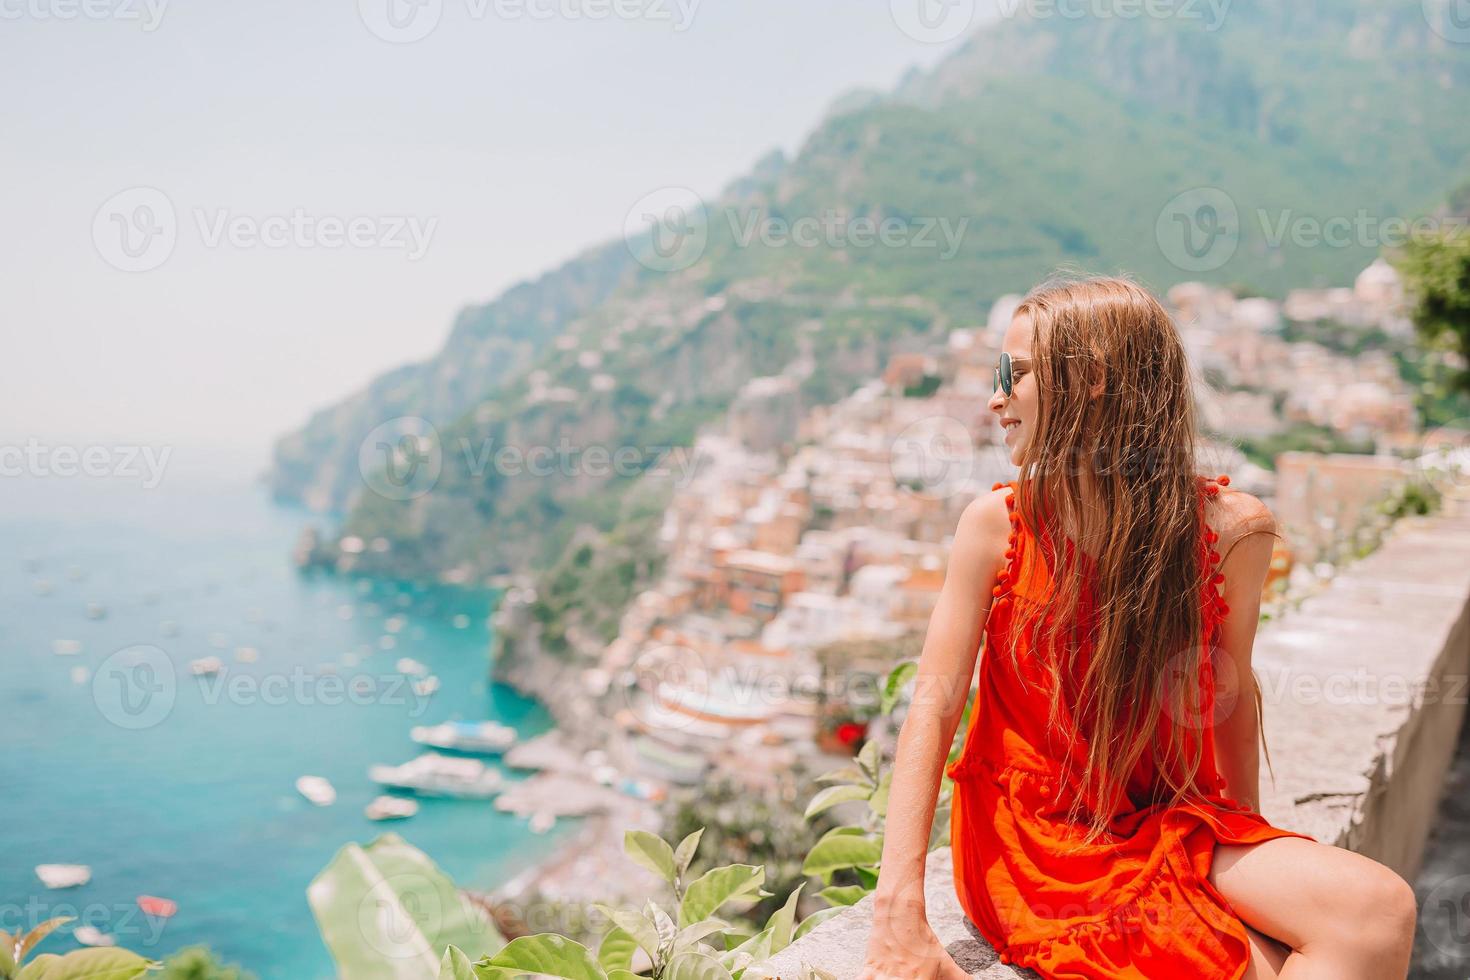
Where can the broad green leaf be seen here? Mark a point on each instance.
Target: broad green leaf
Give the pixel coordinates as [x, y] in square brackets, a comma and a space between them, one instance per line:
[834, 853]
[717, 886]
[37, 968]
[684, 853]
[636, 926]
[695, 931]
[878, 802]
[816, 919]
[783, 920]
[544, 953]
[893, 687]
[7, 954]
[758, 946]
[92, 964]
[833, 795]
[387, 912]
[735, 961]
[455, 965]
[870, 758]
[843, 894]
[33, 938]
[622, 975]
[867, 877]
[844, 831]
[667, 930]
[847, 774]
[651, 851]
[695, 966]
[616, 949]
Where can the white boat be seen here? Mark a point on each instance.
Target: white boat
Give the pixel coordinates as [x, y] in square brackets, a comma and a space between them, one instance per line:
[92, 936]
[429, 685]
[542, 821]
[66, 648]
[247, 655]
[80, 675]
[465, 736]
[432, 774]
[206, 666]
[317, 790]
[391, 808]
[63, 875]
[408, 665]
[96, 610]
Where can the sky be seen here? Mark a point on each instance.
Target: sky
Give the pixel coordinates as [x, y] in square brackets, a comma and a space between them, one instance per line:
[222, 216]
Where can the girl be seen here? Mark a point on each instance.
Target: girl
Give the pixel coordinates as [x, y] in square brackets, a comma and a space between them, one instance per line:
[1105, 816]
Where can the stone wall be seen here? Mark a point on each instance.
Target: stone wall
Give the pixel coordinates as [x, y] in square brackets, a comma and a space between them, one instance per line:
[1364, 689]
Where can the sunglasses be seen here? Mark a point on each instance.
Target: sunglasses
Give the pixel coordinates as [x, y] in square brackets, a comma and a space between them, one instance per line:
[1005, 375]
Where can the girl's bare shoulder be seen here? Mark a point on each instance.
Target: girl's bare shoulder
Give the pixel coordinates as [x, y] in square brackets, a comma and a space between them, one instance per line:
[1235, 514]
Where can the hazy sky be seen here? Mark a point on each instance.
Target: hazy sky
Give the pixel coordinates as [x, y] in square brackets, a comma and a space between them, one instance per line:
[508, 138]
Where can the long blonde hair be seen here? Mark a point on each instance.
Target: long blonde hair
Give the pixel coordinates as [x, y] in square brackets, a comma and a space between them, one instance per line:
[1116, 444]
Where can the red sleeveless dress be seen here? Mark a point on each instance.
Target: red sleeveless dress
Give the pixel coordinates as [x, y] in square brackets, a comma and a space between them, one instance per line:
[1137, 902]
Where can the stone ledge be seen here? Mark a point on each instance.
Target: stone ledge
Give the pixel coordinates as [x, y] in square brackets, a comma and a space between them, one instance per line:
[1364, 691]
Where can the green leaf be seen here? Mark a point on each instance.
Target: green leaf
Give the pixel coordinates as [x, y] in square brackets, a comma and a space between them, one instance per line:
[871, 759]
[717, 886]
[696, 931]
[638, 927]
[758, 946]
[622, 975]
[695, 966]
[385, 912]
[878, 802]
[33, 938]
[867, 877]
[91, 964]
[7, 954]
[37, 968]
[684, 853]
[816, 919]
[455, 965]
[651, 851]
[893, 687]
[846, 774]
[833, 795]
[843, 894]
[616, 950]
[834, 853]
[544, 953]
[783, 920]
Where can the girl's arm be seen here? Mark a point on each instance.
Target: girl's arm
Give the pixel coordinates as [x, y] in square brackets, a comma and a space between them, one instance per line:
[1248, 532]
[941, 689]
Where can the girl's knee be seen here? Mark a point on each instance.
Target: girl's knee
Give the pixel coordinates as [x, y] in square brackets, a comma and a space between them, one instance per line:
[1383, 910]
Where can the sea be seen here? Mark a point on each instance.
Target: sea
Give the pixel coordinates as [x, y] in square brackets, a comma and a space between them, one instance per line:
[182, 787]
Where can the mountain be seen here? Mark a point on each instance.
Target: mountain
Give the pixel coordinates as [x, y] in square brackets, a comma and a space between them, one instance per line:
[1105, 144]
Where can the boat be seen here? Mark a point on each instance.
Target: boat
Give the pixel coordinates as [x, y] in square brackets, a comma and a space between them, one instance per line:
[408, 665]
[63, 875]
[317, 790]
[92, 936]
[424, 688]
[96, 610]
[66, 648]
[391, 808]
[465, 736]
[206, 666]
[247, 655]
[163, 908]
[80, 675]
[432, 774]
[542, 821]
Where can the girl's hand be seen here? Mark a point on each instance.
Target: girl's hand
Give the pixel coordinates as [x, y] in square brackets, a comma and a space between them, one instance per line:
[908, 951]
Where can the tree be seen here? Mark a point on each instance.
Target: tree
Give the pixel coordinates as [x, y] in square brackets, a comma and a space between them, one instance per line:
[1436, 272]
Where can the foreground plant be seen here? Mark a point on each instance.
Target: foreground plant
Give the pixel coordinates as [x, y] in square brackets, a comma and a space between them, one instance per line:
[80, 964]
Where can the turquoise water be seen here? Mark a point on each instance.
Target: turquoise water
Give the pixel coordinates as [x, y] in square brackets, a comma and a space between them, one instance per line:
[199, 806]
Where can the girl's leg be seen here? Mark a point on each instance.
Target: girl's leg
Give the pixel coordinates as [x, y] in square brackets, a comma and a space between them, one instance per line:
[1345, 916]
[1267, 957]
